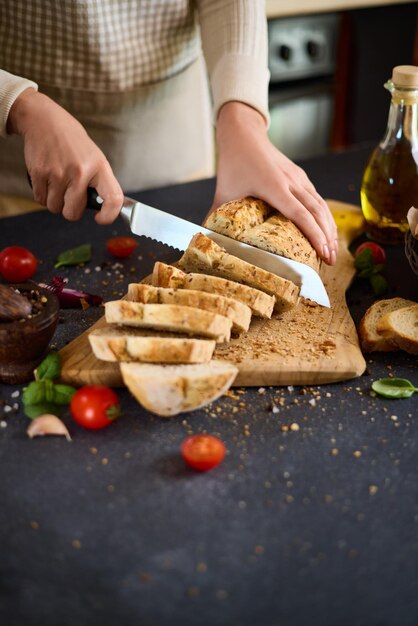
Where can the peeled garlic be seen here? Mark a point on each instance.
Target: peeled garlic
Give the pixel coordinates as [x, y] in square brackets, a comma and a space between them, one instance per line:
[47, 424]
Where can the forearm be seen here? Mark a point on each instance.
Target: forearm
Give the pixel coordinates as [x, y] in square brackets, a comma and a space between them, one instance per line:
[235, 118]
[11, 88]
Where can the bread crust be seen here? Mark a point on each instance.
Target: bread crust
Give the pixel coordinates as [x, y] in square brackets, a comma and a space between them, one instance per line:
[401, 327]
[172, 317]
[205, 255]
[167, 276]
[116, 344]
[253, 221]
[260, 303]
[237, 312]
[371, 339]
[185, 388]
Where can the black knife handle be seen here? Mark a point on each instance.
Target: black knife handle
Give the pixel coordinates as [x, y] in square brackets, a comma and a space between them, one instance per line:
[94, 201]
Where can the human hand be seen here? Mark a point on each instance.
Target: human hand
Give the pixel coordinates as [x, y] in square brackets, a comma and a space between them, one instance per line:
[249, 165]
[62, 160]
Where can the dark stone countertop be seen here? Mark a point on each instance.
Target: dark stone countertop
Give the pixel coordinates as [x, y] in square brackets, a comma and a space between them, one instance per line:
[293, 528]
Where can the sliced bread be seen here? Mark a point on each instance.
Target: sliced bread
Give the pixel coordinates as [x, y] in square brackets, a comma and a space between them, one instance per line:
[170, 317]
[254, 222]
[260, 303]
[401, 327]
[371, 339]
[238, 313]
[113, 343]
[172, 389]
[204, 255]
[167, 276]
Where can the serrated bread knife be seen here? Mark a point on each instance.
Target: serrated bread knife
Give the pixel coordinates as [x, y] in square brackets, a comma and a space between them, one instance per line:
[176, 232]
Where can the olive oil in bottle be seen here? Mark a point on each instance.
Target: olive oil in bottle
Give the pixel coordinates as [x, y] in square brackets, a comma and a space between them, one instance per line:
[390, 181]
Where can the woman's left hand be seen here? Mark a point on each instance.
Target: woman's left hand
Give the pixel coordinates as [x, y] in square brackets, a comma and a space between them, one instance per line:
[249, 165]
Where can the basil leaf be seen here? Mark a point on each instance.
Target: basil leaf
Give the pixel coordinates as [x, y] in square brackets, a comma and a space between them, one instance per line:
[394, 387]
[38, 391]
[74, 256]
[63, 394]
[35, 410]
[379, 284]
[364, 260]
[367, 272]
[34, 393]
[49, 368]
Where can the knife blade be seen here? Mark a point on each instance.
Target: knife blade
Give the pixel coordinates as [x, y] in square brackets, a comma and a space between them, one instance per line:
[147, 221]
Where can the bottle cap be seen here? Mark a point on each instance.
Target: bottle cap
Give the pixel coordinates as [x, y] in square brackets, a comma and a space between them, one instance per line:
[405, 76]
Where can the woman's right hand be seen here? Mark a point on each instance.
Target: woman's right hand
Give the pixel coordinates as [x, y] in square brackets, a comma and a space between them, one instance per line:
[61, 159]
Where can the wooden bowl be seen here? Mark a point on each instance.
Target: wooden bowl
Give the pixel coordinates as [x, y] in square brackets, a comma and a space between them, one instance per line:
[24, 343]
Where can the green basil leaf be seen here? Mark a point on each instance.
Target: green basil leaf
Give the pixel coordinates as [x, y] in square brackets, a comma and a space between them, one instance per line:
[38, 391]
[365, 273]
[49, 368]
[379, 284]
[35, 410]
[74, 256]
[63, 394]
[364, 260]
[34, 393]
[394, 387]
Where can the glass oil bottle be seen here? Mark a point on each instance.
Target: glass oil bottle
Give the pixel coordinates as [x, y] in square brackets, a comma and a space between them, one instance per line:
[390, 181]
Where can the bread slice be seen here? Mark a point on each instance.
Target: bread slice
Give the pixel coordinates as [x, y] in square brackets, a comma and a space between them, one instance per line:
[172, 389]
[167, 276]
[371, 339]
[112, 343]
[205, 255]
[254, 222]
[171, 317]
[260, 303]
[401, 327]
[238, 313]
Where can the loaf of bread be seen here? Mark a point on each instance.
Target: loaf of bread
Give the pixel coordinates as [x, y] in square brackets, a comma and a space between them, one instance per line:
[172, 389]
[113, 343]
[401, 327]
[238, 313]
[260, 303]
[169, 317]
[371, 338]
[204, 255]
[253, 221]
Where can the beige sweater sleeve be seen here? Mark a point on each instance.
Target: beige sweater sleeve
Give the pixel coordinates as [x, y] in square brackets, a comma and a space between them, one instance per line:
[11, 87]
[234, 40]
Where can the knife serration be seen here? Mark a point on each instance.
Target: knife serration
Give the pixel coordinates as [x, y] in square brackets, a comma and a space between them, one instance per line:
[176, 232]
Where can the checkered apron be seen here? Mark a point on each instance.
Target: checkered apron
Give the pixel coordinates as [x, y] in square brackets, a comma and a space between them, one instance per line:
[130, 70]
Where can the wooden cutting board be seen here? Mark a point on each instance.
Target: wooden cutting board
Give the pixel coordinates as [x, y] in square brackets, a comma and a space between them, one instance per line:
[307, 345]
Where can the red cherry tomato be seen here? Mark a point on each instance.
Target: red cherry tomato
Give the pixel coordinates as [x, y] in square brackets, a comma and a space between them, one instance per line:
[203, 452]
[378, 254]
[17, 264]
[121, 247]
[95, 406]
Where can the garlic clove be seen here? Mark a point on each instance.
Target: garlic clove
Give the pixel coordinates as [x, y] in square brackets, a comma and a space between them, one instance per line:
[47, 424]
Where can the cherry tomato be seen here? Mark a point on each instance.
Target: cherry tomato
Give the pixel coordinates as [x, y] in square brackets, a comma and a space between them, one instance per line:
[203, 452]
[17, 264]
[95, 406]
[121, 246]
[378, 254]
